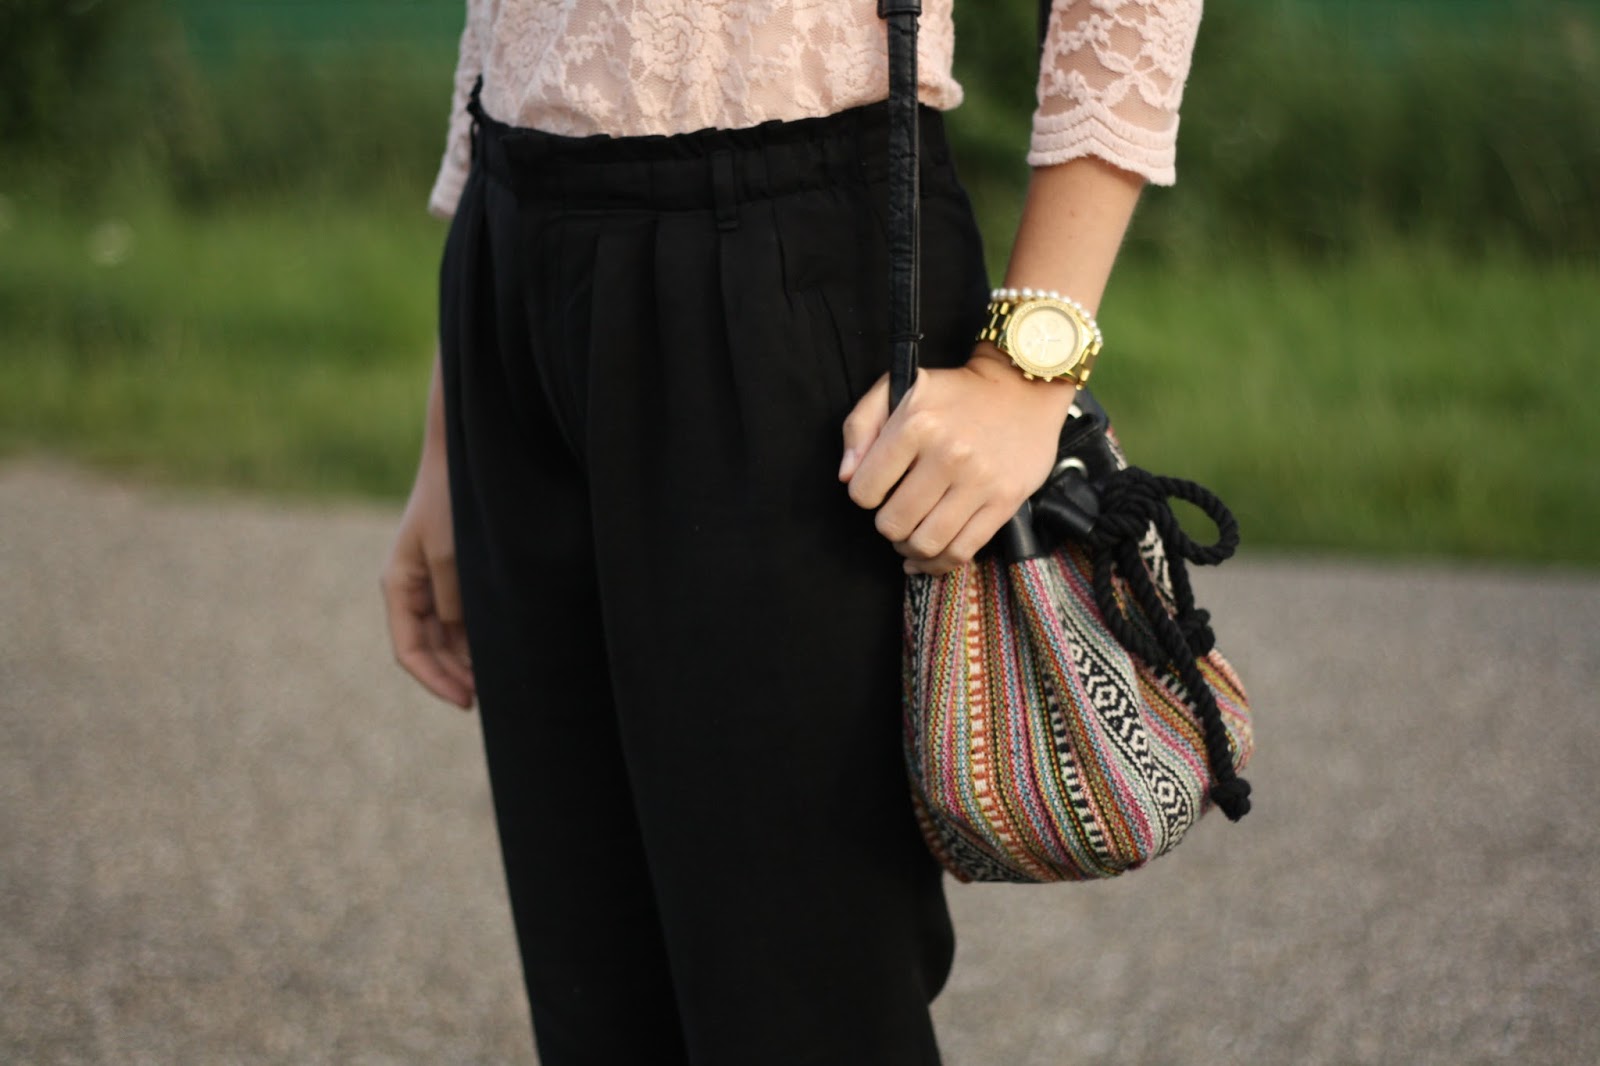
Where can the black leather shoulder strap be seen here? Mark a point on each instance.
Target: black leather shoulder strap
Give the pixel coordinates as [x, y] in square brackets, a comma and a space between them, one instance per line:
[905, 330]
[905, 194]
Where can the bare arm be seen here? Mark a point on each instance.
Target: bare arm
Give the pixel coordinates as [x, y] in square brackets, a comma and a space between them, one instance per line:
[1072, 225]
[421, 595]
[968, 445]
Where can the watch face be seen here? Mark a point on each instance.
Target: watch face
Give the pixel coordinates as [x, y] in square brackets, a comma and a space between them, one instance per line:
[1047, 337]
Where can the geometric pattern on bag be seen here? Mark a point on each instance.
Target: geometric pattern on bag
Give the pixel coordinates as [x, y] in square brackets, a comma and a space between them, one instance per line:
[1065, 714]
[1039, 747]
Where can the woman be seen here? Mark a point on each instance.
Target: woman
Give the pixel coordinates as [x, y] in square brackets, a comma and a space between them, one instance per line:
[662, 500]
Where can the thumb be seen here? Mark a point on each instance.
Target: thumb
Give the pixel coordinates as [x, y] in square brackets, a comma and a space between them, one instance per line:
[446, 586]
[862, 426]
[454, 655]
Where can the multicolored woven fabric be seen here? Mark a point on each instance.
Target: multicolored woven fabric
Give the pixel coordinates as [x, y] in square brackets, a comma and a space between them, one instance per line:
[1039, 748]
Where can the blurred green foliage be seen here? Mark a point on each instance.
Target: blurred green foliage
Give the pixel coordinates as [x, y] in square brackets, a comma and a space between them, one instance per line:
[1421, 122]
[1377, 268]
[1321, 128]
[149, 111]
[47, 50]
[1404, 401]
[282, 348]
[1313, 127]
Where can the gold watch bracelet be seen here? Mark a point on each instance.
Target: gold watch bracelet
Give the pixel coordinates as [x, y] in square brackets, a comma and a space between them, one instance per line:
[1003, 302]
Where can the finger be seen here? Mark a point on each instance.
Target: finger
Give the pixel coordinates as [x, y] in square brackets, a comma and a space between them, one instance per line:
[445, 586]
[408, 606]
[423, 663]
[454, 654]
[890, 459]
[922, 490]
[965, 545]
[451, 647]
[448, 654]
[405, 601]
[934, 535]
[862, 426]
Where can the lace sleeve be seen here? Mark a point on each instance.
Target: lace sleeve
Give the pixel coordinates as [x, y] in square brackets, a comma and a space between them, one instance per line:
[458, 148]
[1110, 82]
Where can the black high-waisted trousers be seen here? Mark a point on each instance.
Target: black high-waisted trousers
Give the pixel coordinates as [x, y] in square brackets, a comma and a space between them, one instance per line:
[686, 637]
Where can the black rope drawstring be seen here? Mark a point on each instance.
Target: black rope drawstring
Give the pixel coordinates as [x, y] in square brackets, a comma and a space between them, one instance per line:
[1131, 501]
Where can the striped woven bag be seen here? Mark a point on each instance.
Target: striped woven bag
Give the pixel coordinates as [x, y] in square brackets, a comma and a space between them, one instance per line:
[1066, 716]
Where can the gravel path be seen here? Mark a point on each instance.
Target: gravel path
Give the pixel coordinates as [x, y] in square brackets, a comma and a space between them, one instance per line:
[232, 832]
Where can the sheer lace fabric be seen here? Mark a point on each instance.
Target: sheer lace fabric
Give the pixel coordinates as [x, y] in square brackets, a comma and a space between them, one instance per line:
[1110, 80]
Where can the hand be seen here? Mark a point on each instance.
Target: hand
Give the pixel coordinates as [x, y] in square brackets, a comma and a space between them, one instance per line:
[420, 590]
[956, 459]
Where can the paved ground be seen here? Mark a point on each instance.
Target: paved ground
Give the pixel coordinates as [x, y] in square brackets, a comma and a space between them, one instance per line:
[233, 833]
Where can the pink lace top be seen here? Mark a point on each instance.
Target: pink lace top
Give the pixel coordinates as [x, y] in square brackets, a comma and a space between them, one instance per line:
[1110, 79]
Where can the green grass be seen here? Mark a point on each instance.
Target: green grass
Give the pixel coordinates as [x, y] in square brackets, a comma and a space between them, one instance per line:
[1401, 402]
[281, 351]
[1398, 401]
[1365, 315]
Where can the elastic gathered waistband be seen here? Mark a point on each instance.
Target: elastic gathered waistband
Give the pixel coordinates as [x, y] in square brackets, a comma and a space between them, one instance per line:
[705, 169]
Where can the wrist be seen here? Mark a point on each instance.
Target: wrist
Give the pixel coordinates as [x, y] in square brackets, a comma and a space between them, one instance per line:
[1051, 400]
[434, 430]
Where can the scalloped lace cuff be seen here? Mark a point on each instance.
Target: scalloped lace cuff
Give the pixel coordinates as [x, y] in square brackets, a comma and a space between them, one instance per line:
[1091, 128]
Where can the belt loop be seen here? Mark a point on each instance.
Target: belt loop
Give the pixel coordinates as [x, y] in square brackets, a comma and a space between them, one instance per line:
[724, 190]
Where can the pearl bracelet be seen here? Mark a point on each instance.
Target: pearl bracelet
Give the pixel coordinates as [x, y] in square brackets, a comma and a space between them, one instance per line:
[1012, 295]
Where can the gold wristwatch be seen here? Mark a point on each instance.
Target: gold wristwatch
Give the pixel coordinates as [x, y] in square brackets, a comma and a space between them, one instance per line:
[1047, 335]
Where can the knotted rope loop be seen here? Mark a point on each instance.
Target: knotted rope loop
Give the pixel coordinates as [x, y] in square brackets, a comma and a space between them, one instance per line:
[1132, 502]
[1196, 627]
